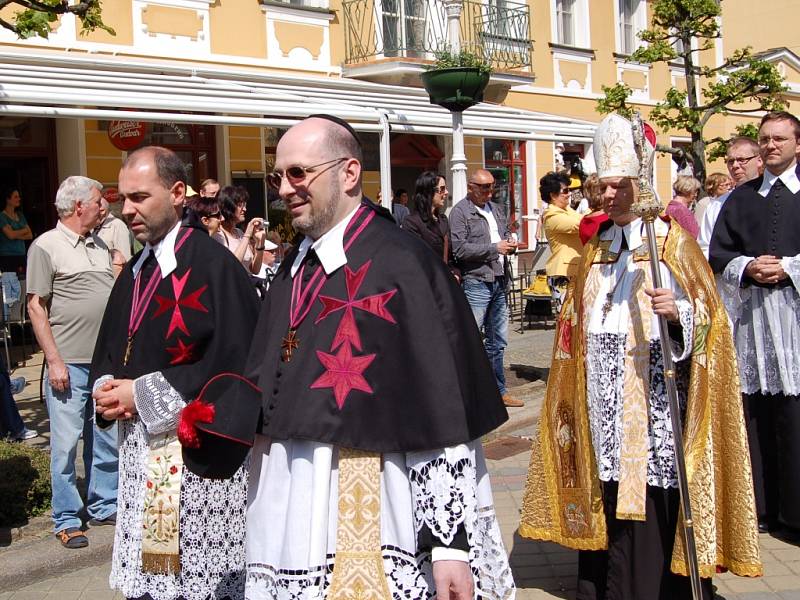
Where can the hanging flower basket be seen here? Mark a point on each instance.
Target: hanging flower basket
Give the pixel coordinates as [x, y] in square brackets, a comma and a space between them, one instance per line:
[455, 89]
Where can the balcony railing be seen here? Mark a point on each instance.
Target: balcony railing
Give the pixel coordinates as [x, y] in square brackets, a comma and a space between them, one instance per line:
[497, 30]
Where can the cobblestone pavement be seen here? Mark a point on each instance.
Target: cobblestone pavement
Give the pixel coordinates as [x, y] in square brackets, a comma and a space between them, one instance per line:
[541, 570]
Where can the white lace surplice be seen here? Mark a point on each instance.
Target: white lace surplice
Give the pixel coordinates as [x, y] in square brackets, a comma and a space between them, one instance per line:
[605, 362]
[292, 519]
[212, 512]
[766, 329]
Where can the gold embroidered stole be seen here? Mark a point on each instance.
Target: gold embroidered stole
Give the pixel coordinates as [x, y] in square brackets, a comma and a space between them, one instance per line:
[161, 518]
[358, 571]
[634, 443]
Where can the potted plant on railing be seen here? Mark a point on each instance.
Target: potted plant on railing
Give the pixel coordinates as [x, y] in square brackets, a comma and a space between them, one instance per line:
[456, 81]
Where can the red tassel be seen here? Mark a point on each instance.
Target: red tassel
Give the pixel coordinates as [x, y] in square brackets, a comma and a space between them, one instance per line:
[190, 415]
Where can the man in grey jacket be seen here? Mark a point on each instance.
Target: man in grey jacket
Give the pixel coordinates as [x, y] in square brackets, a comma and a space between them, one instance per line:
[481, 242]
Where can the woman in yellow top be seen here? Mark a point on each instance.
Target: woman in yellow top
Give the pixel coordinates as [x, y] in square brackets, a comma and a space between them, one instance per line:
[561, 224]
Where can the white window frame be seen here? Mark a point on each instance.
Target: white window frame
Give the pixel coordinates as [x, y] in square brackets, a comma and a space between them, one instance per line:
[638, 23]
[580, 24]
[403, 20]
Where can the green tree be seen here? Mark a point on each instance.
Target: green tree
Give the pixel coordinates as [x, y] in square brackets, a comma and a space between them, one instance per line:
[744, 83]
[37, 15]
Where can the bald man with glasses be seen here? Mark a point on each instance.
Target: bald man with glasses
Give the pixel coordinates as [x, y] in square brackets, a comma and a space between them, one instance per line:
[481, 243]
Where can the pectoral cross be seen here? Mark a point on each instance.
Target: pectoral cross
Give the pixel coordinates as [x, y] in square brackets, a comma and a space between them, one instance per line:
[128, 348]
[607, 305]
[289, 345]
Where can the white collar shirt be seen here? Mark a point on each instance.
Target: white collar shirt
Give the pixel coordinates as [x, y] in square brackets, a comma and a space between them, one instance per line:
[329, 247]
[164, 252]
[788, 177]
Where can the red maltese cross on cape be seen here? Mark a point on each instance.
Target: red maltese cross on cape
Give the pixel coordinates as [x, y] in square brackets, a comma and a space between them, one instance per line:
[191, 300]
[344, 372]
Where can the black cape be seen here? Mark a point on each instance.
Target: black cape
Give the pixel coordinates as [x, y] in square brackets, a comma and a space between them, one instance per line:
[389, 357]
[751, 225]
[205, 333]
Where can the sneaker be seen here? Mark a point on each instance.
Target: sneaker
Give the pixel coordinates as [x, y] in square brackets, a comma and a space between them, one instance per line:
[109, 520]
[17, 385]
[512, 402]
[25, 434]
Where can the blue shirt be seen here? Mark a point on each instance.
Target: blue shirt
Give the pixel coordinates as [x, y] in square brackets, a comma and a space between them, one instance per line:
[12, 247]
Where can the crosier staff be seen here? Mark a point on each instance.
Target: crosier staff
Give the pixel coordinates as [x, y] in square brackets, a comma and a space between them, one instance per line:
[647, 206]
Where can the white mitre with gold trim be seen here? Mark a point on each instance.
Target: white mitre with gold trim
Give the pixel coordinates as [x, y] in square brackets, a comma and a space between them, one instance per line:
[615, 152]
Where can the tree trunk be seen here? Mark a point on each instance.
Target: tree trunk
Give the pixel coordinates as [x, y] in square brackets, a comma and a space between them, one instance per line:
[698, 148]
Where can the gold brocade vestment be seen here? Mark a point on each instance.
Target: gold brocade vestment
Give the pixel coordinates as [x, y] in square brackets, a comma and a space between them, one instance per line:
[563, 501]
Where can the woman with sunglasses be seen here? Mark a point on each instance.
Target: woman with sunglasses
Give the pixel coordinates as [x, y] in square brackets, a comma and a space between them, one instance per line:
[247, 245]
[427, 219]
[207, 210]
[561, 226]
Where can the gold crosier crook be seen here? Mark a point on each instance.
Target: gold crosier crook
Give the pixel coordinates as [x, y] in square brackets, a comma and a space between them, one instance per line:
[647, 206]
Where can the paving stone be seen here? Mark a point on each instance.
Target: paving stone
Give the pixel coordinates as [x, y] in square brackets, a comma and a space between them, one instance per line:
[747, 584]
[789, 595]
[784, 582]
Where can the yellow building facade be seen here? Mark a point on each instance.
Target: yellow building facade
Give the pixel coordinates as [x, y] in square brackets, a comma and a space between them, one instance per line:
[219, 80]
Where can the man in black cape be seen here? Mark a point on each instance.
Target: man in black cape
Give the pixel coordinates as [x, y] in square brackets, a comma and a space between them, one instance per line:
[180, 317]
[367, 474]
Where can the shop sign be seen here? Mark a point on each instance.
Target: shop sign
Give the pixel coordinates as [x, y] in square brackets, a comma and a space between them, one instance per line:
[126, 135]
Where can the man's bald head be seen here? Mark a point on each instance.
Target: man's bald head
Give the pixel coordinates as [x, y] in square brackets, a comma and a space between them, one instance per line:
[480, 187]
[339, 138]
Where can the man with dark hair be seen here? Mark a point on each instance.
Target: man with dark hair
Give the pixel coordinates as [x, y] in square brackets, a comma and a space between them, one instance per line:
[367, 471]
[400, 206]
[755, 248]
[481, 243]
[744, 164]
[166, 335]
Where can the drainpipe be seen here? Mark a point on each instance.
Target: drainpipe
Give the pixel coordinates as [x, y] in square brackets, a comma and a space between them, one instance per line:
[458, 160]
[386, 161]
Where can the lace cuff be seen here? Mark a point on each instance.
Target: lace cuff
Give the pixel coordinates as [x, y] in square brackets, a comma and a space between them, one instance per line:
[157, 402]
[444, 487]
[730, 286]
[791, 264]
[681, 350]
[100, 381]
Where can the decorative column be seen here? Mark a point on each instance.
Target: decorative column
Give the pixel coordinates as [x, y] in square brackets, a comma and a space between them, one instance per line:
[458, 160]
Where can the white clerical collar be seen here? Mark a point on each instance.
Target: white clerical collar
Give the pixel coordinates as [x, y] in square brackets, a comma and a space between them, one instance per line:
[164, 252]
[633, 234]
[788, 177]
[329, 247]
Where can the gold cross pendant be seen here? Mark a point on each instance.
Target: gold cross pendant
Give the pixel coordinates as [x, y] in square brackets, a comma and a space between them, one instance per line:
[289, 345]
[127, 355]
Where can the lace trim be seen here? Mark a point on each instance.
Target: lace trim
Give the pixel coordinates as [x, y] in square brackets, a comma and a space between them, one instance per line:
[489, 562]
[791, 264]
[686, 317]
[605, 374]
[444, 496]
[212, 530]
[410, 576]
[157, 402]
[730, 286]
[768, 342]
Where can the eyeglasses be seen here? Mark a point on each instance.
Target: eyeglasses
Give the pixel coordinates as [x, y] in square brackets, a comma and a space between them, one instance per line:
[563, 191]
[441, 189]
[297, 174]
[779, 140]
[739, 161]
[216, 215]
[484, 187]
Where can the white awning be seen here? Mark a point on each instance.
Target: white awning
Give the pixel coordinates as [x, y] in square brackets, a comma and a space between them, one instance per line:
[94, 87]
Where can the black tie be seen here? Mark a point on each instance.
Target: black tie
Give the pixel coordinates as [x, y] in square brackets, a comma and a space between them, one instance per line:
[777, 187]
[149, 265]
[624, 245]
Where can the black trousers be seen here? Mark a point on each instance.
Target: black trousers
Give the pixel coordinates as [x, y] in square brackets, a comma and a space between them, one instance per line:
[773, 433]
[636, 564]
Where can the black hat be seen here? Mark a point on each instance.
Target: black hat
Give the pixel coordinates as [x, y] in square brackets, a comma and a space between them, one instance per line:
[218, 428]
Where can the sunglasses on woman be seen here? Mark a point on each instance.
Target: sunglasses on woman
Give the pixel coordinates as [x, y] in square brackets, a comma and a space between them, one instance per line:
[297, 174]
